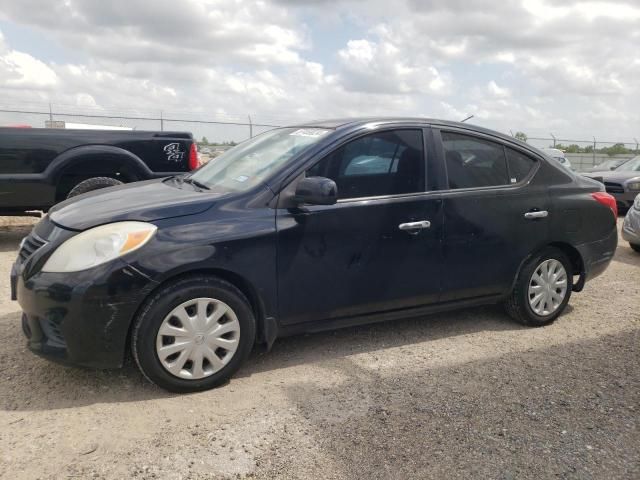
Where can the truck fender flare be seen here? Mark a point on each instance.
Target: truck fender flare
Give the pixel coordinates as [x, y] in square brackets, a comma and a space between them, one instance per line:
[79, 154]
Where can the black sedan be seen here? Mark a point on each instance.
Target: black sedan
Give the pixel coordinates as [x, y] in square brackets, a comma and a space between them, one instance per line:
[308, 228]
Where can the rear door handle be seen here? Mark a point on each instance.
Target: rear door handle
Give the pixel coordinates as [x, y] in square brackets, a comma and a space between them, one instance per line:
[414, 227]
[539, 214]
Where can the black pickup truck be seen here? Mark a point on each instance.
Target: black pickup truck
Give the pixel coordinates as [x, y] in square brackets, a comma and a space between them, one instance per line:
[40, 167]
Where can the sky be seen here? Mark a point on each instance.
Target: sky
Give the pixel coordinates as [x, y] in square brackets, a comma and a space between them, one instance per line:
[571, 68]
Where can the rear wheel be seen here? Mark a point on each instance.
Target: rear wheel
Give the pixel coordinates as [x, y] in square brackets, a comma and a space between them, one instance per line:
[193, 334]
[542, 290]
[91, 184]
[635, 246]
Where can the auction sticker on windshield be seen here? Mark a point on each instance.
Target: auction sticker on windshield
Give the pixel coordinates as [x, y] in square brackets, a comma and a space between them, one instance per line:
[309, 132]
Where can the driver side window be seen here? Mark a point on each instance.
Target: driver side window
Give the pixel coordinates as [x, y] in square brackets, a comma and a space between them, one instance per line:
[379, 164]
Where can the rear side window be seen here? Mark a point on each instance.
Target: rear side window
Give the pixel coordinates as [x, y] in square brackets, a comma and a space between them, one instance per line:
[519, 165]
[383, 163]
[474, 162]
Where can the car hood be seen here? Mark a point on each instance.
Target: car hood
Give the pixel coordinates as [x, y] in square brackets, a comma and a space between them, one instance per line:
[141, 201]
[613, 175]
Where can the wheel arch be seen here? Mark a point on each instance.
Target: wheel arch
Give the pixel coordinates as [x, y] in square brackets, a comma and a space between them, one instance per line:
[89, 161]
[241, 283]
[577, 263]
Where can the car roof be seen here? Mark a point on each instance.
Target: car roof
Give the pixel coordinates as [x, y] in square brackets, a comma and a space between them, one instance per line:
[354, 122]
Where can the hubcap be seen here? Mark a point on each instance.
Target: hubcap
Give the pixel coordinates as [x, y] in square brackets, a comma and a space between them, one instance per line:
[547, 287]
[198, 338]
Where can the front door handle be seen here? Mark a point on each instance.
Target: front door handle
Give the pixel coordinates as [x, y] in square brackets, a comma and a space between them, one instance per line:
[538, 214]
[414, 227]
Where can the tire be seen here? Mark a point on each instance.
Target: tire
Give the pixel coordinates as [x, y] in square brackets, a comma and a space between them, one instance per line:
[635, 247]
[91, 184]
[167, 308]
[519, 306]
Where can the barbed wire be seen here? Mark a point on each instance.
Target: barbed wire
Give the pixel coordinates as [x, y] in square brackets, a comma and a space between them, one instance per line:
[267, 120]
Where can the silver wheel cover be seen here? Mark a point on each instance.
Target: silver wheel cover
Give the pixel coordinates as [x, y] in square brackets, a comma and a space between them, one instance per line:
[198, 338]
[547, 287]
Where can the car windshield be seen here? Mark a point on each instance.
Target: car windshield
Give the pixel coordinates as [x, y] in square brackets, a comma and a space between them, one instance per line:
[251, 162]
[608, 164]
[632, 165]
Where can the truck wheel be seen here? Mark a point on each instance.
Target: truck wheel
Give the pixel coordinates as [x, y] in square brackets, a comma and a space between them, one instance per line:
[635, 246]
[92, 184]
[542, 290]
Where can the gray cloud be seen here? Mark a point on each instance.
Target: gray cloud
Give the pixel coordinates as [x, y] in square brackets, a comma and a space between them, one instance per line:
[565, 64]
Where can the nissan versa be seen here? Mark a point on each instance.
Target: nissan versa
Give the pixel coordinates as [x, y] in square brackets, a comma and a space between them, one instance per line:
[303, 229]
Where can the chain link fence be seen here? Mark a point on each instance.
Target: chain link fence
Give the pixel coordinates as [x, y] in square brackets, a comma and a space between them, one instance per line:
[224, 129]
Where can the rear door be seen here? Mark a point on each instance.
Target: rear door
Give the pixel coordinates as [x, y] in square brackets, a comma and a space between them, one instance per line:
[495, 213]
[378, 249]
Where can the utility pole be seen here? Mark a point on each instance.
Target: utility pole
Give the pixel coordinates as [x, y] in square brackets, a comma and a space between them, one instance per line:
[594, 150]
[250, 127]
[50, 113]
[554, 139]
[161, 122]
[636, 144]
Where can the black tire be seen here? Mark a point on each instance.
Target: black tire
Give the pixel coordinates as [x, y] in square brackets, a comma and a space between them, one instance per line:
[517, 305]
[635, 247]
[91, 184]
[157, 307]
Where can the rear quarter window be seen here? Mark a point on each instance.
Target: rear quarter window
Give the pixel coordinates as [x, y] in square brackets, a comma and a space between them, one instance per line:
[520, 165]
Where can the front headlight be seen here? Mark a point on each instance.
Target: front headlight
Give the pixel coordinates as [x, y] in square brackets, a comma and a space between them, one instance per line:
[634, 185]
[99, 245]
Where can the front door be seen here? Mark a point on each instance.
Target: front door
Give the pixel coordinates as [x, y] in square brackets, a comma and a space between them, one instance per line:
[377, 249]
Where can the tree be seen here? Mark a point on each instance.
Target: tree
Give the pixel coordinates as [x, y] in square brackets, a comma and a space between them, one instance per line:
[521, 136]
[615, 149]
[205, 141]
[573, 148]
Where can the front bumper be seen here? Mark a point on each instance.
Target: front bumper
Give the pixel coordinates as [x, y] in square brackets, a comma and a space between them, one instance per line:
[631, 226]
[80, 318]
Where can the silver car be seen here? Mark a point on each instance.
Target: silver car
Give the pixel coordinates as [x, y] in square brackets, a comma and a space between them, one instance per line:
[623, 182]
[559, 156]
[631, 225]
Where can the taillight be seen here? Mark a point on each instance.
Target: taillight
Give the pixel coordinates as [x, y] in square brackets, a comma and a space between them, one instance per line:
[607, 200]
[193, 157]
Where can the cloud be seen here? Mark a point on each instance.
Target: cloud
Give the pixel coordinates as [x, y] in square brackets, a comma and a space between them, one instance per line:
[497, 91]
[526, 65]
[19, 70]
[181, 31]
[382, 67]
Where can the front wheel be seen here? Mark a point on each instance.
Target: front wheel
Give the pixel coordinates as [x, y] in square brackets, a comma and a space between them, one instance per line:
[193, 334]
[542, 290]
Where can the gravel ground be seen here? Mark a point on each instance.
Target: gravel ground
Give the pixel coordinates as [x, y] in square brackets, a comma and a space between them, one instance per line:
[460, 395]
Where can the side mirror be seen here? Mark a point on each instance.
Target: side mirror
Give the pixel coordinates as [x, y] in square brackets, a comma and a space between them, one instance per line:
[316, 191]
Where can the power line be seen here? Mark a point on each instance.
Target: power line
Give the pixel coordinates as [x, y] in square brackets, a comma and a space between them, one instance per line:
[157, 119]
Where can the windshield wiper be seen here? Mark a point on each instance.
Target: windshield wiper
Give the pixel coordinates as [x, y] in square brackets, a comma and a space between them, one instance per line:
[196, 183]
